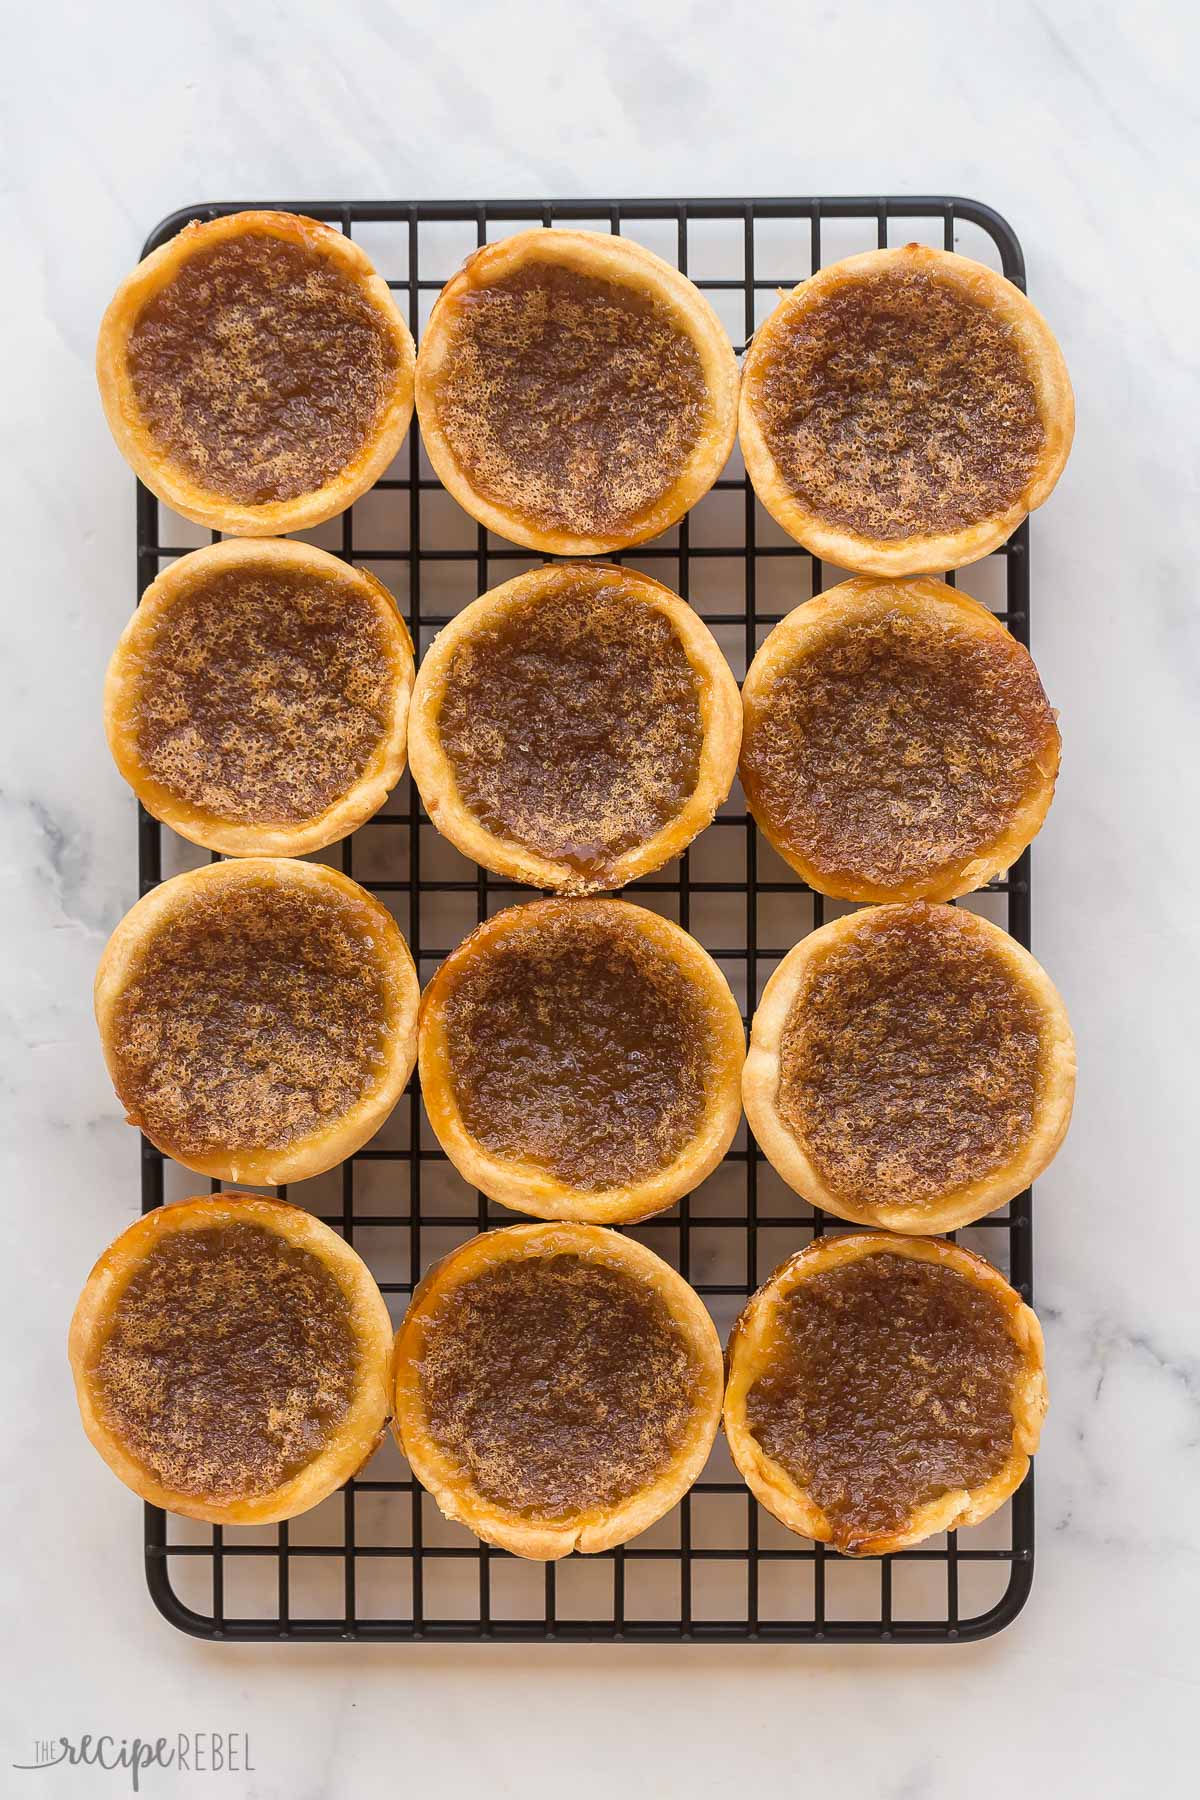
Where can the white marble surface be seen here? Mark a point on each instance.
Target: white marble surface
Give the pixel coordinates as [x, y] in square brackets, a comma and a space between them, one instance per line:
[1076, 120]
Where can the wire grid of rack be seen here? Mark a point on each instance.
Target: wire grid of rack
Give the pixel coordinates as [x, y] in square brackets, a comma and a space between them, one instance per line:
[376, 1561]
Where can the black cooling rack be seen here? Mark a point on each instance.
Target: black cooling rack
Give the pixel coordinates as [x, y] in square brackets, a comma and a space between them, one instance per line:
[377, 1561]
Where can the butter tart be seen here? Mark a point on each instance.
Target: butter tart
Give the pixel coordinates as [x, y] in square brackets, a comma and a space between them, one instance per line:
[580, 1059]
[258, 1018]
[897, 743]
[232, 1359]
[558, 1387]
[256, 373]
[884, 1389]
[576, 393]
[574, 728]
[902, 411]
[910, 1067]
[257, 701]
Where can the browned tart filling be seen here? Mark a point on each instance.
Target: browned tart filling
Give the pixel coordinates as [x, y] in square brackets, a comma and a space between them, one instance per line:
[570, 400]
[899, 407]
[264, 693]
[230, 1360]
[261, 368]
[911, 1061]
[573, 725]
[897, 748]
[252, 1019]
[558, 1385]
[578, 1046]
[890, 1383]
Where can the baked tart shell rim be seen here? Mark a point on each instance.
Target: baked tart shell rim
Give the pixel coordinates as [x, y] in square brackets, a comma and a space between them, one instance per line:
[935, 551]
[955, 1208]
[158, 471]
[122, 686]
[321, 1150]
[629, 263]
[355, 1438]
[600, 1528]
[791, 1503]
[843, 605]
[721, 720]
[528, 1188]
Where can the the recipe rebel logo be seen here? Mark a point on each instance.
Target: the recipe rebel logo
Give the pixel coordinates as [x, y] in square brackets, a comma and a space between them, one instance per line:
[189, 1752]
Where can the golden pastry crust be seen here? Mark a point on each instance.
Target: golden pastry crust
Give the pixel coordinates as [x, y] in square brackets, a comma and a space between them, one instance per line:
[887, 1119]
[590, 602]
[853, 495]
[680, 1080]
[348, 1440]
[321, 703]
[606, 477]
[258, 1018]
[750, 1355]
[360, 309]
[925, 753]
[595, 1526]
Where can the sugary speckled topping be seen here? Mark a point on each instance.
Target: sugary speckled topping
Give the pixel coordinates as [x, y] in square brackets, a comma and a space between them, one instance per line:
[264, 693]
[898, 406]
[911, 1060]
[254, 1017]
[557, 1384]
[577, 1044]
[572, 723]
[898, 747]
[569, 400]
[230, 1361]
[890, 1384]
[261, 368]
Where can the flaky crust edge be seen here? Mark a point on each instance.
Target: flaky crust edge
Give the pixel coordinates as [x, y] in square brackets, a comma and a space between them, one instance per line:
[526, 1188]
[597, 1529]
[785, 645]
[963, 1205]
[172, 484]
[352, 1443]
[747, 1357]
[616, 259]
[721, 719]
[323, 1149]
[122, 688]
[936, 551]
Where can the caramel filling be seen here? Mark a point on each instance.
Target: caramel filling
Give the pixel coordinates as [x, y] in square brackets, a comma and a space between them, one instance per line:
[568, 400]
[230, 1361]
[577, 1045]
[261, 368]
[890, 1383]
[898, 406]
[910, 1063]
[573, 724]
[253, 1018]
[897, 748]
[264, 694]
[558, 1385]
